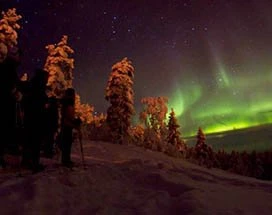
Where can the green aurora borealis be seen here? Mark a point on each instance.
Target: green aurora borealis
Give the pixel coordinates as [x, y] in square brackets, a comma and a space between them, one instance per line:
[233, 103]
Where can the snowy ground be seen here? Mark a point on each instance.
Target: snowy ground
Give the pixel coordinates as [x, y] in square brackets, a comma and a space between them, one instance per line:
[132, 180]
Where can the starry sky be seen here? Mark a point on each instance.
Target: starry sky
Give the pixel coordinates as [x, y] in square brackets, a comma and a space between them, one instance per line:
[211, 58]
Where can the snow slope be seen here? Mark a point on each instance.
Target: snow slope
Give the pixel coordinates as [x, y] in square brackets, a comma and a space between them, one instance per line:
[132, 180]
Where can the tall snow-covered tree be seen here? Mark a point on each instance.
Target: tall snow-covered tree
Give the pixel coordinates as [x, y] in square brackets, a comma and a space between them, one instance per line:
[201, 147]
[201, 138]
[8, 31]
[174, 135]
[154, 113]
[60, 66]
[120, 95]
[203, 152]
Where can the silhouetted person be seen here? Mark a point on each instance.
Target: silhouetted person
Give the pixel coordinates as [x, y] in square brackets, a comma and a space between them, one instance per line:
[68, 123]
[51, 126]
[34, 112]
[8, 94]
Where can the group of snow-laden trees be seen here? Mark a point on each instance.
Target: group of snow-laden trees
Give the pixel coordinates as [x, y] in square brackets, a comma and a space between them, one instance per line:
[8, 32]
[59, 63]
[119, 90]
[157, 133]
[152, 132]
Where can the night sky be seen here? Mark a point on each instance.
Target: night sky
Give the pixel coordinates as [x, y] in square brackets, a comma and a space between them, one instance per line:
[211, 58]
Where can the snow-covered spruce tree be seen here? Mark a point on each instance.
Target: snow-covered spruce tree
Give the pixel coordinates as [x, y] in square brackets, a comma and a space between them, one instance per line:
[60, 67]
[201, 138]
[174, 135]
[120, 95]
[203, 153]
[8, 32]
[200, 147]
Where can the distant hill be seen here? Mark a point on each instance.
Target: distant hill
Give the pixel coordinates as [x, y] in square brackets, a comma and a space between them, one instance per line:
[257, 138]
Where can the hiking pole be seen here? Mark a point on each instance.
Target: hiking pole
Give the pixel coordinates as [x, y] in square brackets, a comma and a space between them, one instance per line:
[81, 147]
[18, 116]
